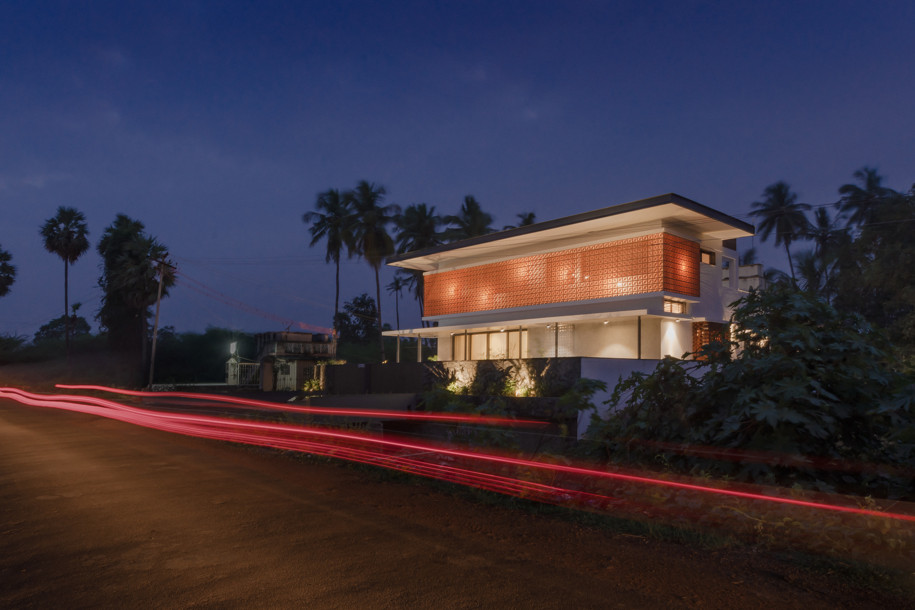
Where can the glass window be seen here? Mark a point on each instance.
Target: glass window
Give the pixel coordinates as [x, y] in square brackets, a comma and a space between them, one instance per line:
[458, 347]
[478, 346]
[671, 306]
[514, 344]
[498, 344]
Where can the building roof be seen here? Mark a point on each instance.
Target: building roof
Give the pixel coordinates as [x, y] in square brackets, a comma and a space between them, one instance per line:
[670, 211]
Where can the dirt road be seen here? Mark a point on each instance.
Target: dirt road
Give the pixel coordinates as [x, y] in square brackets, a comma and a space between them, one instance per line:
[96, 513]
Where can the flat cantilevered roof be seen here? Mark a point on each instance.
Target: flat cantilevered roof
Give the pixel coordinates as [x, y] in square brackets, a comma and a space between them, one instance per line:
[670, 211]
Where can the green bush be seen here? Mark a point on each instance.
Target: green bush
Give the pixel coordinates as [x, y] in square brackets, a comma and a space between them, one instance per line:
[813, 391]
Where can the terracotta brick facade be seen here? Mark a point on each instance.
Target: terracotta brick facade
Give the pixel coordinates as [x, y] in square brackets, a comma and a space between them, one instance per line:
[636, 265]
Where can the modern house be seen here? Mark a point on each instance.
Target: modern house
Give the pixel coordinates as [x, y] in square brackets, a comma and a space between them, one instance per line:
[636, 281]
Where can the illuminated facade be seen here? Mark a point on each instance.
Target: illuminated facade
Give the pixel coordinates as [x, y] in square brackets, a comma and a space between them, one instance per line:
[641, 280]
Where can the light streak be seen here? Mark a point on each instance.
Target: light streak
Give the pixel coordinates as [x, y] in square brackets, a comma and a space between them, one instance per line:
[342, 412]
[771, 458]
[382, 451]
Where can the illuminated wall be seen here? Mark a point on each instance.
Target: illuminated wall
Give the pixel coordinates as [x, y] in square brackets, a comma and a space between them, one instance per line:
[637, 265]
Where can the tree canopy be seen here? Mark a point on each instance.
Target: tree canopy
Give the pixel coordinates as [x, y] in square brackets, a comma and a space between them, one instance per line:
[7, 272]
[811, 388]
[129, 282]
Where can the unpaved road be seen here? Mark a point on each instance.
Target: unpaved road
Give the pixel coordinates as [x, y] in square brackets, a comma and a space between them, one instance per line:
[96, 513]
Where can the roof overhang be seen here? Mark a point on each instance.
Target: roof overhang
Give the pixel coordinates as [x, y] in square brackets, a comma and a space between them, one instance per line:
[666, 212]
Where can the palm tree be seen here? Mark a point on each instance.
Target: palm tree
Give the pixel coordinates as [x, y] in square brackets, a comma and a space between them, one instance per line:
[7, 272]
[130, 282]
[396, 288]
[524, 219]
[812, 271]
[334, 226]
[781, 214]
[471, 221]
[823, 232]
[66, 236]
[417, 229]
[861, 202]
[371, 239]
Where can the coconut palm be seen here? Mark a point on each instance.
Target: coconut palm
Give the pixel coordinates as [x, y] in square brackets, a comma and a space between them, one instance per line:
[7, 272]
[524, 219]
[471, 221]
[396, 288]
[371, 239]
[65, 235]
[781, 214]
[860, 202]
[332, 222]
[823, 232]
[418, 229]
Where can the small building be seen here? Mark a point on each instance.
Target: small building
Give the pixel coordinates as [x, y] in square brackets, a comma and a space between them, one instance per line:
[289, 359]
[640, 280]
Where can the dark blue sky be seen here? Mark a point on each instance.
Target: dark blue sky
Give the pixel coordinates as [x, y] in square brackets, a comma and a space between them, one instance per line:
[217, 123]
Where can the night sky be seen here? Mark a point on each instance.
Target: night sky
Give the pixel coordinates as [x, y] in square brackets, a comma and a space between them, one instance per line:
[217, 123]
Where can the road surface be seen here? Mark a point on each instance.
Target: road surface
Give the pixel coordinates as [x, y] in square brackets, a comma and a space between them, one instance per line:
[96, 513]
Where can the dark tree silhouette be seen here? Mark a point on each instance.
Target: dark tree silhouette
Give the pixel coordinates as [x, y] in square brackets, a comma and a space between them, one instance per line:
[780, 214]
[332, 221]
[471, 221]
[371, 239]
[66, 235]
[7, 272]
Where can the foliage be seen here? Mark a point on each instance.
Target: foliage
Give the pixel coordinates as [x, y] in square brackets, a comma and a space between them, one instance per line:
[876, 270]
[524, 219]
[7, 272]
[9, 345]
[470, 221]
[66, 235]
[780, 214]
[129, 282]
[867, 265]
[332, 221]
[55, 330]
[396, 287]
[312, 386]
[371, 240]
[810, 386]
[579, 397]
[358, 322]
[417, 229]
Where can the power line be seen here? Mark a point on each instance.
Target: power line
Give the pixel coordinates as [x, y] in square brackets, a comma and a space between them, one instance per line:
[212, 293]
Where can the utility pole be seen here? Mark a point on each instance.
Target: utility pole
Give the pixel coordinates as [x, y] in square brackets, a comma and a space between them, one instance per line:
[152, 358]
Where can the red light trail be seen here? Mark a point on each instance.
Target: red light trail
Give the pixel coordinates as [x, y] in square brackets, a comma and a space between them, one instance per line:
[369, 449]
[341, 412]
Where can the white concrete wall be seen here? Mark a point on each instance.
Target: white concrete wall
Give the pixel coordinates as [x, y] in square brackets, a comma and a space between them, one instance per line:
[710, 304]
[610, 372]
[651, 338]
[676, 338]
[616, 339]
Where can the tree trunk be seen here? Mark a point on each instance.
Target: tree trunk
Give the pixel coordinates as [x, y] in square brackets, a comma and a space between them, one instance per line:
[378, 296]
[67, 308]
[337, 296]
[790, 264]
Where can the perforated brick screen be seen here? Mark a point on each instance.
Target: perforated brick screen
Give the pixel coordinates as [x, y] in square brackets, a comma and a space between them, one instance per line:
[636, 265]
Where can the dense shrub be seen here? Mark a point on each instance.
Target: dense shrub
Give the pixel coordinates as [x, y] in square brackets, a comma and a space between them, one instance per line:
[812, 395]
